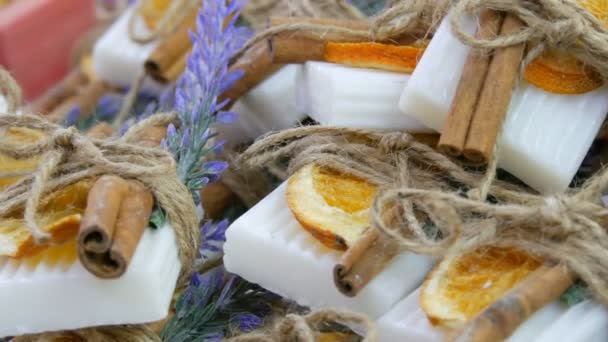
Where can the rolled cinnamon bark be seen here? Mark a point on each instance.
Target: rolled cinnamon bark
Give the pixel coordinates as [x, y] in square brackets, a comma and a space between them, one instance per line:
[499, 320]
[495, 97]
[100, 216]
[171, 49]
[459, 117]
[257, 65]
[133, 219]
[59, 93]
[215, 199]
[363, 261]
[303, 46]
[174, 71]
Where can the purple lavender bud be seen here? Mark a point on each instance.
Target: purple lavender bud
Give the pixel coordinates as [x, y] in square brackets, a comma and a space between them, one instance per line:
[195, 279]
[171, 131]
[227, 117]
[73, 115]
[219, 147]
[247, 321]
[185, 139]
[215, 167]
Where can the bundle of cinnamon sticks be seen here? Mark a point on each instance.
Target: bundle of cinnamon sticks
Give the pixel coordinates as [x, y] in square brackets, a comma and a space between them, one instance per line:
[484, 92]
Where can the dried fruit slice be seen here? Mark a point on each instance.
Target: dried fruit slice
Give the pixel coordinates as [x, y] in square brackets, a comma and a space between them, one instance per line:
[60, 215]
[10, 165]
[153, 10]
[399, 58]
[459, 288]
[333, 207]
[561, 73]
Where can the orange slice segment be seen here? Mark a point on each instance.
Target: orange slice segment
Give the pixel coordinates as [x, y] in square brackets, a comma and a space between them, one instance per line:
[561, 73]
[399, 58]
[333, 207]
[16, 166]
[153, 10]
[459, 288]
[60, 215]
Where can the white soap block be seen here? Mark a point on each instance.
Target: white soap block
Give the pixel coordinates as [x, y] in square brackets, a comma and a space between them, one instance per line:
[268, 246]
[407, 322]
[270, 106]
[337, 95]
[119, 60]
[3, 106]
[545, 136]
[583, 322]
[55, 292]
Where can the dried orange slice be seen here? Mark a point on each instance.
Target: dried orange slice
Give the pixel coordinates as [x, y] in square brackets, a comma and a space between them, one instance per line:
[459, 288]
[399, 58]
[60, 215]
[561, 73]
[333, 207]
[11, 165]
[153, 10]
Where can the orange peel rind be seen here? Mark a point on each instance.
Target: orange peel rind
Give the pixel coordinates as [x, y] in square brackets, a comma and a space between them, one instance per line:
[333, 207]
[398, 58]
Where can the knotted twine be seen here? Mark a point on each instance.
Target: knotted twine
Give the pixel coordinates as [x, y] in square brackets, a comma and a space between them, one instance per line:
[67, 156]
[567, 227]
[560, 24]
[306, 328]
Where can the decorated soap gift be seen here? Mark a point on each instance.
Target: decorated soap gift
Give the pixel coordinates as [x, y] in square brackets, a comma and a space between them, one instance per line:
[545, 158]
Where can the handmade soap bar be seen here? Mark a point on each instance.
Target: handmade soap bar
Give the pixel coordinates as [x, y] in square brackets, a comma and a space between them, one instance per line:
[587, 321]
[37, 37]
[268, 246]
[545, 136]
[338, 95]
[119, 60]
[52, 291]
[270, 106]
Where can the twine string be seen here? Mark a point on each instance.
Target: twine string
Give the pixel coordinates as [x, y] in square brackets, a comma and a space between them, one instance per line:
[566, 227]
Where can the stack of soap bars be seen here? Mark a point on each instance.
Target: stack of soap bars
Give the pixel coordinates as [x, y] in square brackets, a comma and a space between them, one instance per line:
[317, 221]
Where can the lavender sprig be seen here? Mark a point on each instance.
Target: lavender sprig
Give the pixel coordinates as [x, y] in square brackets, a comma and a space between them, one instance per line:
[196, 96]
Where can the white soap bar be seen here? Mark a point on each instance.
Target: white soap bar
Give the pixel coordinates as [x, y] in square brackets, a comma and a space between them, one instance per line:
[268, 246]
[54, 291]
[545, 136]
[583, 322]
[269, 106]
[337, 95]
[3, 106]
[119, 60]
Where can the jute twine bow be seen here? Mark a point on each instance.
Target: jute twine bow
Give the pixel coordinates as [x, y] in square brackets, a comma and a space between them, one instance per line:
[67, 157]
[306, 328]
[568, 227]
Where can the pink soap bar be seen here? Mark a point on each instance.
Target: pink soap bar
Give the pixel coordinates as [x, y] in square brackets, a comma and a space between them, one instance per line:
[36, 39]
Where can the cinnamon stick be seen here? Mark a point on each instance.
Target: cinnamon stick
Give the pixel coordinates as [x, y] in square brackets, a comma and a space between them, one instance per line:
[174, 71]
[495, 96]
[499, 320]
[302, 46]
[100, 216]
[172, 48]
[117, 211]
[363, 261]
[215, 198]
[133, 219]
[60, 92]
[257, 65]
[474, 73]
